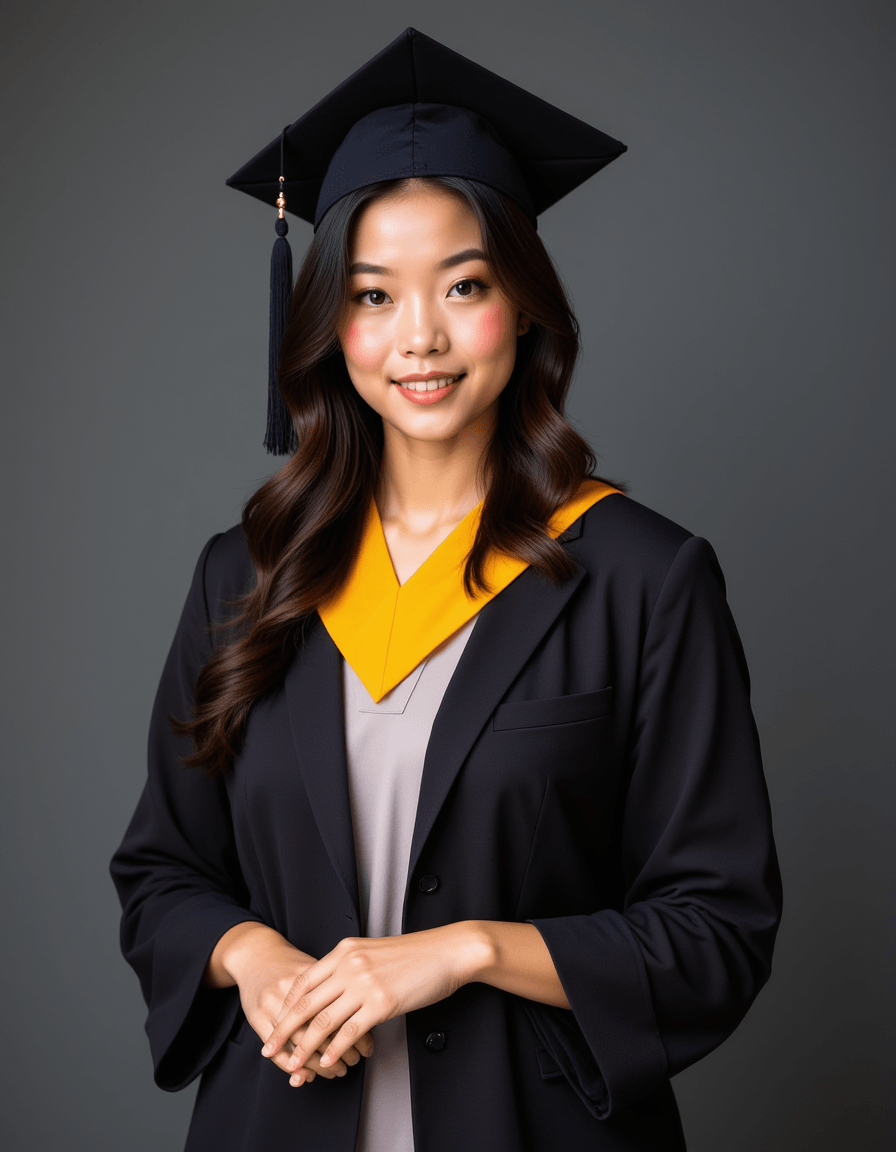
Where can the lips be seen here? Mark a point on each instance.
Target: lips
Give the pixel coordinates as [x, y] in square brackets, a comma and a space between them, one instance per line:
[431, 382]
[416, 376]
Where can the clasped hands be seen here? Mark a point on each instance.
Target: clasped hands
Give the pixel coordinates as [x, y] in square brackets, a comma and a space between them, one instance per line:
[331, 1005]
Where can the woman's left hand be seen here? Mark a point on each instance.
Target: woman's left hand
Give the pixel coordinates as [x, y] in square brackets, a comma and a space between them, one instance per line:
[365, 981]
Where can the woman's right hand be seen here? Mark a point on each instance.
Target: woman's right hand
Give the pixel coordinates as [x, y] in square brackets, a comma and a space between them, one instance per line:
[264, 966]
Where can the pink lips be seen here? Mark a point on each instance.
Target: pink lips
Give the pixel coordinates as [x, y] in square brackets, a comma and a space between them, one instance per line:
[427, 397]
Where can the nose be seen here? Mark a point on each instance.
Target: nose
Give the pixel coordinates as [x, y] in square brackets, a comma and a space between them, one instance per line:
[421, 332]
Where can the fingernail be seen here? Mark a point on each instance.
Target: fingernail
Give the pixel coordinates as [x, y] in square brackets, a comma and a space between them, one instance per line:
[326, 1060]
[268, 1049]
[296, 1080]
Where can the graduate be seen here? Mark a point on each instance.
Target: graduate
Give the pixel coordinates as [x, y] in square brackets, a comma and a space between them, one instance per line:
[455, 833]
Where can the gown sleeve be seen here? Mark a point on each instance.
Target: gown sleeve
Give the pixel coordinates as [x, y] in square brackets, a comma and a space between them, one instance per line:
[177, 874]
[660, 982]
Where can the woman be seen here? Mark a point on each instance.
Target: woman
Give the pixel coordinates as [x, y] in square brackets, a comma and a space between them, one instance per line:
[482, 800]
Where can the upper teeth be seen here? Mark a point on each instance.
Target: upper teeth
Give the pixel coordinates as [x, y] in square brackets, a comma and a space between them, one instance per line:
[429, 385]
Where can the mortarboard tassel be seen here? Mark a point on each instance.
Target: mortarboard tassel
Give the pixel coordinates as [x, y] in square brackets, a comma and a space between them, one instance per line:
[280, 435]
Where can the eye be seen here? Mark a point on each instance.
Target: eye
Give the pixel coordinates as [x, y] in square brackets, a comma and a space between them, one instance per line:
[380, 295]
[469, 287]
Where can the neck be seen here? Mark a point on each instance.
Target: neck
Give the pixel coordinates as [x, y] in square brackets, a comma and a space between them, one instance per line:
[427, 483]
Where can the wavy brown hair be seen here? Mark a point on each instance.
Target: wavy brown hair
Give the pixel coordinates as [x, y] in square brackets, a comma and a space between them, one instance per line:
[303, 526]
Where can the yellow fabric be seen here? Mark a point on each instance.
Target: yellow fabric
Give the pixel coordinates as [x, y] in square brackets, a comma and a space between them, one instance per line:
[385, 629]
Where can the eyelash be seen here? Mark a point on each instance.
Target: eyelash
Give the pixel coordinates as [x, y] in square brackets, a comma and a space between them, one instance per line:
[359, 298]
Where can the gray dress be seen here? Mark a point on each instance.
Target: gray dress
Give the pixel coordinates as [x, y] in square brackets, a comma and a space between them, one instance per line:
[385, 747]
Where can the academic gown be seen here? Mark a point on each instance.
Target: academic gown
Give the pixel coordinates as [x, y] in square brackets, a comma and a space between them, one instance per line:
[594, 769]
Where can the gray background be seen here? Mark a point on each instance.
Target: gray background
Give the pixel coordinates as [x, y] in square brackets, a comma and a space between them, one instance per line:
[734, 277]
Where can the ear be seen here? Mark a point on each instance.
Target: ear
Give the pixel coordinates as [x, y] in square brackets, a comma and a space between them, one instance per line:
[523, 325]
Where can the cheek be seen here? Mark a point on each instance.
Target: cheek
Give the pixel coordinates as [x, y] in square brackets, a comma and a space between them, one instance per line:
[489, 335]
[363, 347]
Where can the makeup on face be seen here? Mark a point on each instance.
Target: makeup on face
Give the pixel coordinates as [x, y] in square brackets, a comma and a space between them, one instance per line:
[491, 330]
[423, 304]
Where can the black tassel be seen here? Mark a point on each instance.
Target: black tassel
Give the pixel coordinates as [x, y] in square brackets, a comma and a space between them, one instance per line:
[280, 437]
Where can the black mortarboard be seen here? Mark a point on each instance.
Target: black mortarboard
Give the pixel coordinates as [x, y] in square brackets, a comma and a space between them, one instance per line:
[415, 109]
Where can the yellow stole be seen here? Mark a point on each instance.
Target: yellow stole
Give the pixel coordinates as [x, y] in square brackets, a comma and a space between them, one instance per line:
[385, 629]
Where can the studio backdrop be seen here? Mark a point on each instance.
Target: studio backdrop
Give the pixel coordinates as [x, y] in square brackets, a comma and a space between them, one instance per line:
[733, 277]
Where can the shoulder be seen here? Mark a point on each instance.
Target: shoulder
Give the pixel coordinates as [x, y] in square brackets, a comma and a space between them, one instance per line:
[224, 571]
[636, 549]
[620, 529]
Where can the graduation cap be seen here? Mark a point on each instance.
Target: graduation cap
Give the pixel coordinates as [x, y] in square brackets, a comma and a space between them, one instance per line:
[415, 109]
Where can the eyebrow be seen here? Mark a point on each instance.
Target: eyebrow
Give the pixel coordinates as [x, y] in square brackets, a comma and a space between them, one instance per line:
[448, 262]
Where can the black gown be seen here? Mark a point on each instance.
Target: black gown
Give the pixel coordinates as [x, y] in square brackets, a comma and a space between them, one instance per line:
[594, 769]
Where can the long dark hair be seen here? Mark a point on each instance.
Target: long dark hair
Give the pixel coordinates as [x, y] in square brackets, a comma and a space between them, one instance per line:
[303, 526]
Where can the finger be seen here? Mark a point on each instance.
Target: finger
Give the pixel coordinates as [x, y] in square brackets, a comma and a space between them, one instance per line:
[351, 1056]
[312, 1064]
[363, 1046]
[305, 983]
[303, 1076]
[322, 1026]
[331, 1071]
[316, 1003]
[314, 1069]
[280, 1058]
[306, 1074]
[349, 1034]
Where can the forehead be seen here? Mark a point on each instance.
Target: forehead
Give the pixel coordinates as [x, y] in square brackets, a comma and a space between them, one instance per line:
[415, 224]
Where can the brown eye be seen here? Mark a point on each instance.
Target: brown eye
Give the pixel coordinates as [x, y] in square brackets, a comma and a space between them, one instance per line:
[375, 296]
[471, 287]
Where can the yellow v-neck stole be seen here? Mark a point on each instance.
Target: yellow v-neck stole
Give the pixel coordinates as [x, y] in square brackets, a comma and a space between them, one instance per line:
[385, 629]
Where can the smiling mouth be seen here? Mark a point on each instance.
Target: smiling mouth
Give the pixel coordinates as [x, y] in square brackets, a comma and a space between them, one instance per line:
[429, 385]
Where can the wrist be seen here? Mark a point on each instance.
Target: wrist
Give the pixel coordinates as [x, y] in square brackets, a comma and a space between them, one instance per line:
[243, 945]
[514, 957]
[477, 951]
[224, 965]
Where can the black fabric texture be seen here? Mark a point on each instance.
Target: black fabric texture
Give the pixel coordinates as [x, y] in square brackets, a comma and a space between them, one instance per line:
[417, 108]
[630, 826]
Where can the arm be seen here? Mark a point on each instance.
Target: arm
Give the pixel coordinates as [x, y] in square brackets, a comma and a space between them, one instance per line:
[177, 875]
[660, 981]
[509, 956]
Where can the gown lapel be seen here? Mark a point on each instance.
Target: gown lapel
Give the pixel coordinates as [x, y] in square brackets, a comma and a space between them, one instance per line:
[314, 699]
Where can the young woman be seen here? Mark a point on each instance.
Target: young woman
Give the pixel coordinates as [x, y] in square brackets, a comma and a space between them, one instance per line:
[462, 831]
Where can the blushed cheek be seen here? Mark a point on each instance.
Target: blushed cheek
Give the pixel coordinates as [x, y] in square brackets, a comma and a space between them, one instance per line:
[491, 332]
[362, 347]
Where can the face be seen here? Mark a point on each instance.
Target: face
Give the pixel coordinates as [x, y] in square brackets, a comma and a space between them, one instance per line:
[423, 303]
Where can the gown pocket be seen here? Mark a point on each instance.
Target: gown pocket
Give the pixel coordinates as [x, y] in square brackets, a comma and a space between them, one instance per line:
[553, 710]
